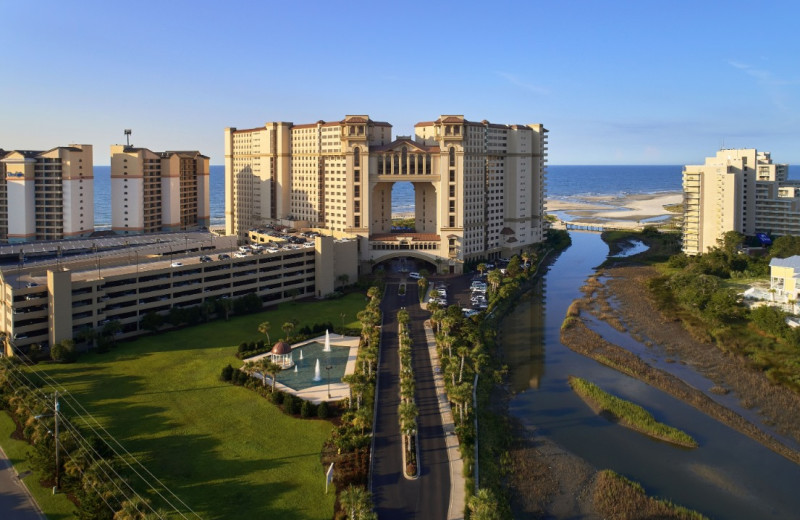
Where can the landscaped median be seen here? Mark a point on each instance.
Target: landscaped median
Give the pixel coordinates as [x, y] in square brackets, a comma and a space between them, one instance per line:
[628, 414]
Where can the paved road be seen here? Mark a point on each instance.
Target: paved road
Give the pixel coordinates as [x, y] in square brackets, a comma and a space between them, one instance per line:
[395, 497]
[15, 502]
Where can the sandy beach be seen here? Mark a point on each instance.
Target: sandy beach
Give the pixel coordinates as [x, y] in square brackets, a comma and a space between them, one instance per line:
[627, 211]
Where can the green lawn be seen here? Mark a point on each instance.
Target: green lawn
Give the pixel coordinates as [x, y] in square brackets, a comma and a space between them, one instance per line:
[222, 449]
[56, 507]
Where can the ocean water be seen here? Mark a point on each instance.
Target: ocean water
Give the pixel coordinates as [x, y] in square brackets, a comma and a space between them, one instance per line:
[563, 182]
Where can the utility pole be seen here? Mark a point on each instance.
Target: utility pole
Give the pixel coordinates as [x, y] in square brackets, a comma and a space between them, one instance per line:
[58, 473]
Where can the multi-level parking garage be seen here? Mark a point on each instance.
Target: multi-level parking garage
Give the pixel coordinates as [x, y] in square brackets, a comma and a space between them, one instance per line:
[53, 298]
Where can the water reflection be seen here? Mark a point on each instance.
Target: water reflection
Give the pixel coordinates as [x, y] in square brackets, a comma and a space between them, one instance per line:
[710, 478]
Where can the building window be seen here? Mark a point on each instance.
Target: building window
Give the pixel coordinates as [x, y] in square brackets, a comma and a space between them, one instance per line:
[452, 157]
[356, 157]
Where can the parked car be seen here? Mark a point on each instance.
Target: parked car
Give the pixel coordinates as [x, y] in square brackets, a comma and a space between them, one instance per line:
[205, 258]
[240, 255]
[414, 275]
[177, 264]
[223, 256]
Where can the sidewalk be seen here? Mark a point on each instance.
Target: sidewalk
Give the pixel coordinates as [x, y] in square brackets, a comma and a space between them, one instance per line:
[455, 510]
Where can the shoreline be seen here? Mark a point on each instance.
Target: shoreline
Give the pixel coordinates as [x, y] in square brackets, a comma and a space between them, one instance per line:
[621, 209]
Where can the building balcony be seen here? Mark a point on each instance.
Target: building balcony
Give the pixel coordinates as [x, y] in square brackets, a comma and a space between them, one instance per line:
[399, 241]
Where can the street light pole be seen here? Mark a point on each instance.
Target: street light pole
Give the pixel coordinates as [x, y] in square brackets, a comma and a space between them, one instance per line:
[328, 376]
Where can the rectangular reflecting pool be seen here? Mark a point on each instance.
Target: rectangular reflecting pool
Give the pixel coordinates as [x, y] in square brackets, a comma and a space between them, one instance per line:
[311, 352]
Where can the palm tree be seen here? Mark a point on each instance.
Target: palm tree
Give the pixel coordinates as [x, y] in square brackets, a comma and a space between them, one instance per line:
[357, 502]
[407, 389]
[263, 328]
[526, 256]
[423, 285]
[481, 268]
[495, 278]
[273, 369]
[462, 351]
[362, 419]
[288, 327]
[407, 413]
[373, 292]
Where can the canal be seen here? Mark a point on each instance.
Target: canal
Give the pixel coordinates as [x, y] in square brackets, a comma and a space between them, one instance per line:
[727, 476]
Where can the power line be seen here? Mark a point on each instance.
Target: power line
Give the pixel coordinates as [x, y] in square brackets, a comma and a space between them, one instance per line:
[47, 379]
[85, 443]
[100, 459]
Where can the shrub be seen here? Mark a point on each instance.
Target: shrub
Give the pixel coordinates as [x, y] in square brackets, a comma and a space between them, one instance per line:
[322, 410]
[289, 404]
[227, 373]
[276, 397]
[305, 409]
[64, 351]
[243, 347]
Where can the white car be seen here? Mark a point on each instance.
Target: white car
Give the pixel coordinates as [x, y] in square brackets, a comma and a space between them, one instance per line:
[177, 264]
[414, 275]
[239, 255]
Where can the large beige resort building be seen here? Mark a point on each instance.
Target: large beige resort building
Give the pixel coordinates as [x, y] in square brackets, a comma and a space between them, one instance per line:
[46, 195]
[737, 190]
[478, 187]
[158, 191]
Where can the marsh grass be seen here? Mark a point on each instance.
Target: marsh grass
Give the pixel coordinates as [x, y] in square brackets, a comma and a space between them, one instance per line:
[629, 414]
[616, 497]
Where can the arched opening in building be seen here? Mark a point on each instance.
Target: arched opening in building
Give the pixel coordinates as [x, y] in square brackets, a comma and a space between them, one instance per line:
[403, 207]
[405, 262]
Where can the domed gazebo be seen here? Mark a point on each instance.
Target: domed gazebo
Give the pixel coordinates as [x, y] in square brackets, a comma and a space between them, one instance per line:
[281, 354]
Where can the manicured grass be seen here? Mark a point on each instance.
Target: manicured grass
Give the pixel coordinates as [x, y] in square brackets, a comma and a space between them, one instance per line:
[225, 451]
[629, 414]
[55, 507]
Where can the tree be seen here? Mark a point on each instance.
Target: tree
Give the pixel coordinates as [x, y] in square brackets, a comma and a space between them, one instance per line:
[373, 293]
[152, 321]
[785, 246]
[356, 502]
[484, 506]
[526, 258]
[343, 279]
[482, 268]
[225, 305]
[513, 268]
[495, 278]
[730, 242]
[287, 328]
[63, 351]
[263, 328]
[273, 369]
[111, 328]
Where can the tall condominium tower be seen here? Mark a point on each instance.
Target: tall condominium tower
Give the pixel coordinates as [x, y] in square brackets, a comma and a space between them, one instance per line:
[478, 187]
[46, 195]
[158, 191]
[737, 190]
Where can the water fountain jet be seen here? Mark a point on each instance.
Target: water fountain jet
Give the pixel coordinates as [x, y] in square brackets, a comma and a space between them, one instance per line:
[317, 375]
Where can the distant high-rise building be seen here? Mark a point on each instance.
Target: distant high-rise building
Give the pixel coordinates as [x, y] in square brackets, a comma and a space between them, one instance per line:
[158, 191]
[737, 190]
[478, 187]
[46, 195]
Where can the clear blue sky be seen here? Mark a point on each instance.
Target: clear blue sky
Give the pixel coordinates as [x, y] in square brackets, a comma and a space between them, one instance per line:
[633, 82]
